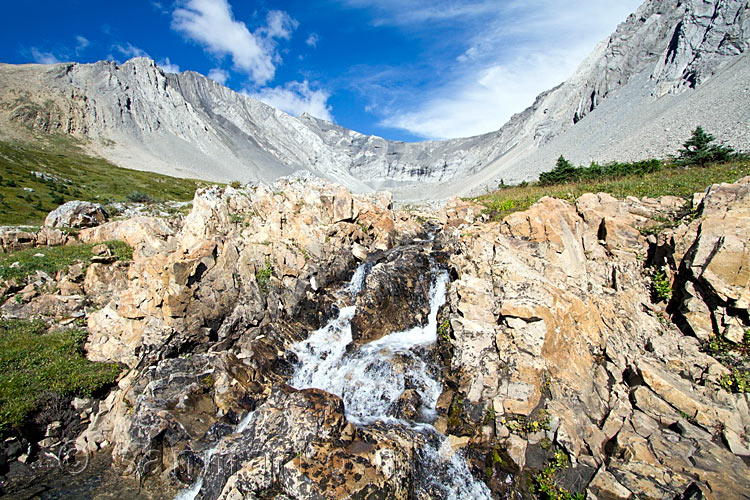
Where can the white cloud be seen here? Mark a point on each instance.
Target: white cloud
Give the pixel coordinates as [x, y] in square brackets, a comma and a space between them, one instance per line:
[484, 100]
[219, 75]
[168, 67]
[296, 98]
[43, 57]
[504, 55]
[279, 25]
[212, 24]
[129, 50]
[81, 43]
[313, 40]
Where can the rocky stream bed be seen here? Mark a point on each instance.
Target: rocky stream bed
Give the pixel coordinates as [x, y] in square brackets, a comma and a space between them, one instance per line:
[296, 341]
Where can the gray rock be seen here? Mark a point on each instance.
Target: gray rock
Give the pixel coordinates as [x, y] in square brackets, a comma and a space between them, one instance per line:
[77, 214]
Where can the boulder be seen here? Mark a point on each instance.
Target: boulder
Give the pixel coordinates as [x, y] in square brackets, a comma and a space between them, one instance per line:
[395, 295]
[77, 214]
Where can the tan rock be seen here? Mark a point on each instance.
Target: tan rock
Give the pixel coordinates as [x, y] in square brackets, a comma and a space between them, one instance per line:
[605, 487]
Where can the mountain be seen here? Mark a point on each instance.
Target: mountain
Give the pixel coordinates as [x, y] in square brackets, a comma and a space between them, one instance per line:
[670, 66]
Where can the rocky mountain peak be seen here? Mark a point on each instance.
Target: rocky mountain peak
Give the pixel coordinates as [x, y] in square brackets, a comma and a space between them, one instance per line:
[670, 66]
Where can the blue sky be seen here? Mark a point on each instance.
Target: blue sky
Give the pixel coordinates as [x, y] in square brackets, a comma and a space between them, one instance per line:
[402, 69]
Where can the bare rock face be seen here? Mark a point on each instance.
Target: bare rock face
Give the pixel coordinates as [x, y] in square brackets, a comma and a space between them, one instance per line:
[247, 270]
[552, 323]
[550, 347]
[709, 255]
[77, 214]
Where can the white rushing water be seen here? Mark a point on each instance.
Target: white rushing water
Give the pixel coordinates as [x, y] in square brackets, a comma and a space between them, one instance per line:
[372, 377]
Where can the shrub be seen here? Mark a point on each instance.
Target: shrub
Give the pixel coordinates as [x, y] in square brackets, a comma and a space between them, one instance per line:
[737, 381]
[236, 184]
[140, 197]
[660, 286]
[564, 171]
[263, 277]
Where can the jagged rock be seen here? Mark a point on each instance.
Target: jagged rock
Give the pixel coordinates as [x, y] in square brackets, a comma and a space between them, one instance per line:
[714, 271]
[77, 214]
[605, 487]
[300, 443]
[548, 338]
[395, 296]
[13, 239]
[147, 235]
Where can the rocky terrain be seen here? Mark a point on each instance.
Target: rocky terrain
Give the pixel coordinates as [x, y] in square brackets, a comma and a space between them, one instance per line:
[538, 357]
[669, 67]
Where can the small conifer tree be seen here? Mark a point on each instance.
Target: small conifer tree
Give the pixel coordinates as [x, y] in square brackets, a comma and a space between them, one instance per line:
[698, 150]
[564, 171]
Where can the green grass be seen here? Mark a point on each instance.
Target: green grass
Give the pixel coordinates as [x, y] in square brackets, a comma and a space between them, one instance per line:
[77, 176]
[670, 180]
[35, 365]
[55, 259]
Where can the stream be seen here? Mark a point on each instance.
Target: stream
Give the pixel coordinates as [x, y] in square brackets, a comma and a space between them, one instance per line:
[370, 379]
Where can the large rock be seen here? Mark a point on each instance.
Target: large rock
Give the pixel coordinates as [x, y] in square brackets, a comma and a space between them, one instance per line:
[77, 214]
[300, 444]
[715, 271]
[395, 295]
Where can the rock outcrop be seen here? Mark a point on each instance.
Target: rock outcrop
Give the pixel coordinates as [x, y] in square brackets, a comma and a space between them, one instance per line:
[553, 354]
[554, 332]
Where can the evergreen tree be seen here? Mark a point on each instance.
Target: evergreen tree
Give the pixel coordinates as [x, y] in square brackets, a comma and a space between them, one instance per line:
[698, 150]
[564, 171]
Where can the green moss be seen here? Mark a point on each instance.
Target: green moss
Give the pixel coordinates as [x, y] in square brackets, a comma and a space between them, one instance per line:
[443, 331]
[455, 413]
[120, 249]
[208, 382]
[35, 365]
[522, 426]
[72, 174]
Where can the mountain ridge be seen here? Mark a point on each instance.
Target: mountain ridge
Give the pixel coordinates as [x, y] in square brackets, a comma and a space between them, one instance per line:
[138, 116]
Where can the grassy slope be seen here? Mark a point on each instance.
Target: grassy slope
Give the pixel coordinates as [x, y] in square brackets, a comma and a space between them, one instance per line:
[92, 179]
[18, 265]
[670, 180]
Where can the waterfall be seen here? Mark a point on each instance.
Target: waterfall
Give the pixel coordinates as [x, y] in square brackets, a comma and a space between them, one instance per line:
[370, 378]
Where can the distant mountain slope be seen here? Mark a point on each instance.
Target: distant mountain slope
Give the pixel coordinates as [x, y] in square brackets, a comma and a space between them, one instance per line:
[669, 66]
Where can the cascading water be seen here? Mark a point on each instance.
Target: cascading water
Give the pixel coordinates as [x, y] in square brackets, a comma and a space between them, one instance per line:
[372, 377]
